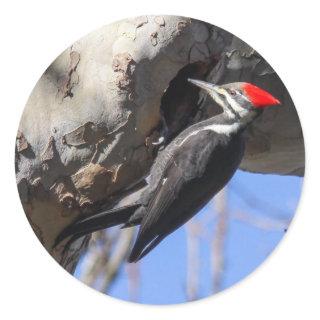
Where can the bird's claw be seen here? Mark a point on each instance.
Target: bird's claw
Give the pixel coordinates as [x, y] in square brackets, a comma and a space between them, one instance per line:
[160, 141]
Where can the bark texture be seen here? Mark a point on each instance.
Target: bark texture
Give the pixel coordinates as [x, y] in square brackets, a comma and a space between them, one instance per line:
[87, 130]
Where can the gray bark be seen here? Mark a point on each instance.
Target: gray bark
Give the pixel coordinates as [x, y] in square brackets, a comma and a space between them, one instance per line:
[85, 134]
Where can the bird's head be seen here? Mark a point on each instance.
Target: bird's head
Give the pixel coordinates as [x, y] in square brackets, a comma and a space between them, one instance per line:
[239, 98]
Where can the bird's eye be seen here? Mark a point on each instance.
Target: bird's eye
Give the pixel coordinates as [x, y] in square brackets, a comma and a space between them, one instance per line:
[233, 92]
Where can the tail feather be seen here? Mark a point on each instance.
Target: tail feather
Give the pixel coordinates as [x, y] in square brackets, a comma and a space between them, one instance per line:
[99, 221]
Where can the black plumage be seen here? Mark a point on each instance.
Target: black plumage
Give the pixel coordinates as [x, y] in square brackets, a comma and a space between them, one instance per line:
[196, 165]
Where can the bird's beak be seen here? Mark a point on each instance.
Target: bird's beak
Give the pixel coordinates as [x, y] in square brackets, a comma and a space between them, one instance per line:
[203, 85]
[214, 90]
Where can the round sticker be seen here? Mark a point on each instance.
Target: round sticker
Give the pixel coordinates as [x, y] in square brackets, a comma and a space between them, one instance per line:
[159, 159]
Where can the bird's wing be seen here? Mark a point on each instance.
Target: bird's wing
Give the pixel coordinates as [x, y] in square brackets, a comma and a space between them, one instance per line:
[167, 190]
[163, 196]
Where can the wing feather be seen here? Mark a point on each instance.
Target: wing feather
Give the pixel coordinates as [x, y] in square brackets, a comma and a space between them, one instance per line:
[167, 189]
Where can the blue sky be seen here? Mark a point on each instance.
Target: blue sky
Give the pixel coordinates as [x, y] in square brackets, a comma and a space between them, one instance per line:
[268, 202]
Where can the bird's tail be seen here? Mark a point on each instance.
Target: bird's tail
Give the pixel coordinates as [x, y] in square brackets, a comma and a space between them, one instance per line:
[99, 221]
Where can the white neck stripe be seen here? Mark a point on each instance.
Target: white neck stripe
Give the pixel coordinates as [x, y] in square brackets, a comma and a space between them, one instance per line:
[226, 129]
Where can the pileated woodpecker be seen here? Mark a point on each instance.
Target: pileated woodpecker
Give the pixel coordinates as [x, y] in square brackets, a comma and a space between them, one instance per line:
[196, 165]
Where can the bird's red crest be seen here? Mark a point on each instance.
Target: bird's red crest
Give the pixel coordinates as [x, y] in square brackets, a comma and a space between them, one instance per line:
[258, 97]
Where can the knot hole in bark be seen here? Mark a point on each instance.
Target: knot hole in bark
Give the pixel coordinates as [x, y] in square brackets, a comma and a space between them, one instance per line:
[180, 102]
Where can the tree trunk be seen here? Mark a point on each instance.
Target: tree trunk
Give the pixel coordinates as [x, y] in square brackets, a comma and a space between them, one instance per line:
[87, 130]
